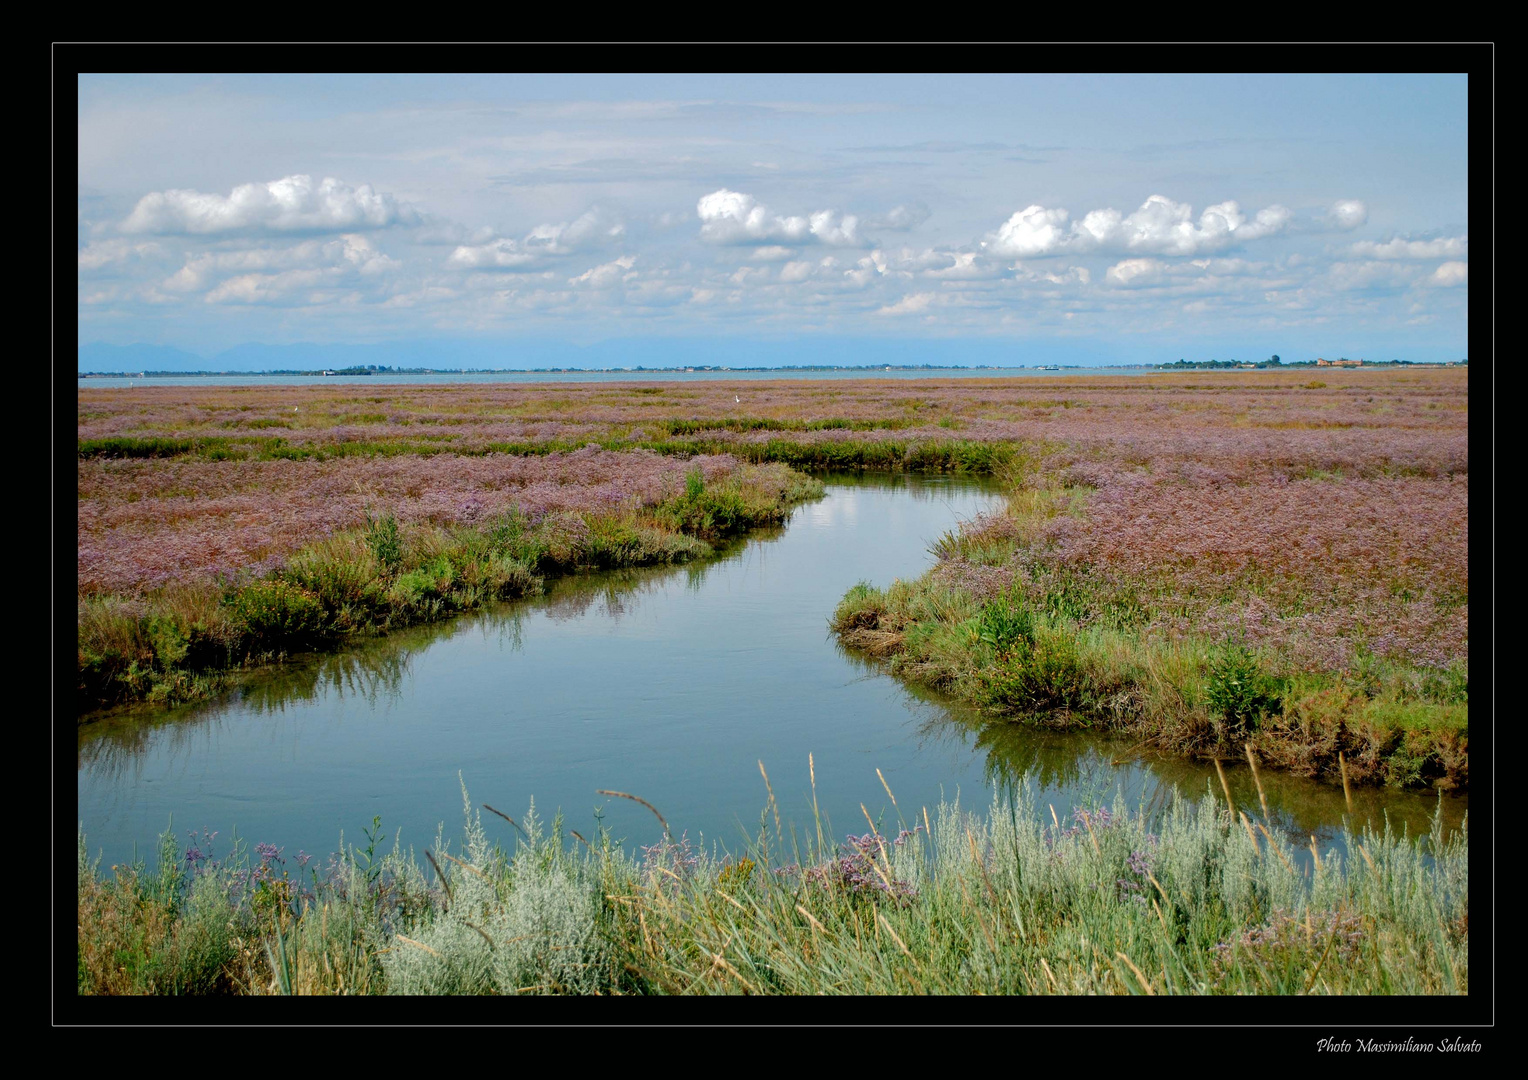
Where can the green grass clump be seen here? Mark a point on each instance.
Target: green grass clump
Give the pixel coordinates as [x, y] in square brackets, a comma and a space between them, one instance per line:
[279, 612]
[166, 651]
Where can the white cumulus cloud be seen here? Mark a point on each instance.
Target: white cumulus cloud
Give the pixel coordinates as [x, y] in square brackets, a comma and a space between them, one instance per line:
[1451, 274]
[291, 204]
[908, 305]
[734, 217]
[501, 254]
[1159, 227]
[1398, 248]
[591, 230]
[266, 288]
[1347, 214]
[901, 218]
[1031, 231]
[103, 253]
[1355, 276]
[967, 266]
[606, 275]
[1136, 273]
[342, 257]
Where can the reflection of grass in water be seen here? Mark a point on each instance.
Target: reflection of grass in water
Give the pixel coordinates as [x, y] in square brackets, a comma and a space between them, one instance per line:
[572, 596]
[1303, 806]
[919, 487]
[376, 668]
[369, 673]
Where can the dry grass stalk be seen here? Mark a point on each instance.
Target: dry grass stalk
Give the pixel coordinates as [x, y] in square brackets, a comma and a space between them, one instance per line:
[444, 883]
[1226, 786]
[879, 842]
[1262, 796]
[465, 865]
[1264, 830]
[772, 804]
[1144, 981]
[417, 944]
[480, 932]
[1250, 834]
[731, 901]
[900, 943]
[507, 818]
[638, 799]
[816, 926]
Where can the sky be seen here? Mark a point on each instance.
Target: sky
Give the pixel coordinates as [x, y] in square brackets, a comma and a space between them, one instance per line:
[809, 218]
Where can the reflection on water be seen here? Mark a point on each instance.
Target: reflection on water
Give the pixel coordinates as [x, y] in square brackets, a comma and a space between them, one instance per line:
[374, 670]
[671, 682]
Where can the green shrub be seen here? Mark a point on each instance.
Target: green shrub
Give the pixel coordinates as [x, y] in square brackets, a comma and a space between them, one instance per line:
[508, 577]
[383, 539]
[1449, 687]
[1240, 691]
[169, 639]
[1005, 624]
[278, 613]
[410, 590]
[341, 571]
[1040, 673]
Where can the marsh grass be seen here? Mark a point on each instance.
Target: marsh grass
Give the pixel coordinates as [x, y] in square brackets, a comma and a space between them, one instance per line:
[674, 438]
[1012, 900]
[1322, 661]
[1195, 697]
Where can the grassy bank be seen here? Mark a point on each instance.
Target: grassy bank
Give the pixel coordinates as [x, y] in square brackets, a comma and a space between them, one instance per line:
[931, 455]
[1013, 901]
[1068, 609]
[179, 642]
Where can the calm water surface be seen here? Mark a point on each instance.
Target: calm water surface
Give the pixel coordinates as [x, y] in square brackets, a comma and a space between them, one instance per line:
[671, 684]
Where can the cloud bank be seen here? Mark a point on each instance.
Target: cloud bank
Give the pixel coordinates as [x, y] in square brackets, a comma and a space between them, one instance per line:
[291, 204]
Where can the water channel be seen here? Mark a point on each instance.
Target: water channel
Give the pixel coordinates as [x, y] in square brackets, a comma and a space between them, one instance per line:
[672, 684]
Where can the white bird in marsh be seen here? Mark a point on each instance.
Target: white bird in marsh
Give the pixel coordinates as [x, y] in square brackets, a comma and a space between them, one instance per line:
[737, 399]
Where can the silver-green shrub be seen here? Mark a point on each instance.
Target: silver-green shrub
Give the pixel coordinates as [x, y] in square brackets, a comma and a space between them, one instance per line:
[526, 925]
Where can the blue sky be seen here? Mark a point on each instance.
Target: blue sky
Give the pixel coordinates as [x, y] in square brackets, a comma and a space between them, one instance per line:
[1079, 218]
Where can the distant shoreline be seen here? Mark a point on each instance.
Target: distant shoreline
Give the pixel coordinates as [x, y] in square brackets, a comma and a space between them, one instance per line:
[1210, 365]
[639, 370]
